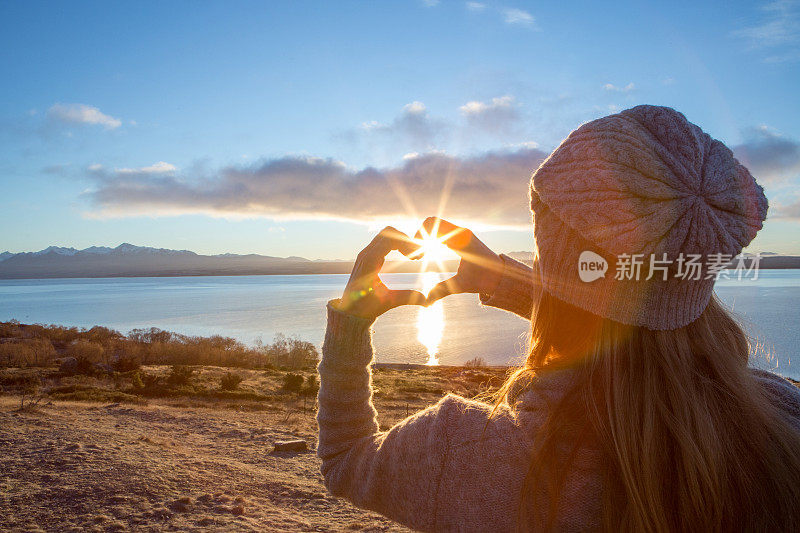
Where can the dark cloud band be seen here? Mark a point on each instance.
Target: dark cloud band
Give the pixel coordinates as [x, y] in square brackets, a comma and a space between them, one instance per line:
[490, 188]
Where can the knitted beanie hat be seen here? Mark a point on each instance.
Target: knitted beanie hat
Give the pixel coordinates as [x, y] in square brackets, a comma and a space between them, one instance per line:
[628, 204]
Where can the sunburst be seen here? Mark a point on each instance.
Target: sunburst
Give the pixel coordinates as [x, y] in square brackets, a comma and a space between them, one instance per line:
[432, 250]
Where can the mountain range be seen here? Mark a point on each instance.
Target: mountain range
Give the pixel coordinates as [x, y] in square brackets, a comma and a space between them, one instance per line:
[127, 260]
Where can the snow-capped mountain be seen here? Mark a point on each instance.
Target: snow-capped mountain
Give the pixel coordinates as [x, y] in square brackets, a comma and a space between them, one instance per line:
[124, 248]
[60, 250]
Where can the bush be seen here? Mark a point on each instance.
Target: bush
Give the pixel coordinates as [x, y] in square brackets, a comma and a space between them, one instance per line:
[28, 387]
[292, 382]
[230, 381]
[26, 352]
[126, 363]
[24, 345]
[80, 366]
[180, 375]
[151, 381]
[291, 352]
[88, 393]
[311, 387]
[89, 351]
[476, 362]
[136, 381]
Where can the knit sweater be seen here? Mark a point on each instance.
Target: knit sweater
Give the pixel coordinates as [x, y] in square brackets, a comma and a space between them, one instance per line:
[452, 466]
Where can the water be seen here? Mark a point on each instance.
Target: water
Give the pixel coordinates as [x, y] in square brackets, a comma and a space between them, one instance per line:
[252, 307]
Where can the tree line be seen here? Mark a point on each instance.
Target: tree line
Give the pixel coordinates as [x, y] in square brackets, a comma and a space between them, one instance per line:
[30, 345]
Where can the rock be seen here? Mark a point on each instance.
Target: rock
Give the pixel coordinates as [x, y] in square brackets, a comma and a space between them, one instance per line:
[103, 368]
[237, 510]
[68, 365]
[297, 445]
[235, 434]
[182, 505]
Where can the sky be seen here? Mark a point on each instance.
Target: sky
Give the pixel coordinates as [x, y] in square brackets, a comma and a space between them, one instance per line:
[302, 128]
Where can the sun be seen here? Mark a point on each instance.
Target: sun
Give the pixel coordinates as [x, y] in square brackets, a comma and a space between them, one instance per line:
[433, 250]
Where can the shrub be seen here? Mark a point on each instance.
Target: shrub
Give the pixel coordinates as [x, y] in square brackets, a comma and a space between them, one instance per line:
[36, 344]
[312, 387]
[230, 381]
[150, 381]
[86, 350]
[292, 382]
[126, 363]
[14, 353]
[136, 381]
[28, 387]
[291, 352]
[180, 375]
[88, 393]
[80, 366]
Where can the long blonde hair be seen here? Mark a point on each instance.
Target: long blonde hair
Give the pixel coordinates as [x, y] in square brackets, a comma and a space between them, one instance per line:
[689, 438]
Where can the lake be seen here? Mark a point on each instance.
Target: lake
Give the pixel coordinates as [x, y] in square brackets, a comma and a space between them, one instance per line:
[252, 307]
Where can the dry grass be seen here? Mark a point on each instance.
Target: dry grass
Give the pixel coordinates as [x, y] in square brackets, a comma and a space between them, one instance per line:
[194, 458]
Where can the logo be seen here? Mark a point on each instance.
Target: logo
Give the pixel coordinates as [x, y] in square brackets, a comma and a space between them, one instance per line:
[591, 266]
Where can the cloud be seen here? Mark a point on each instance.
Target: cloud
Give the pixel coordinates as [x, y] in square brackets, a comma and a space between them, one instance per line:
[771, 157]
[526, 144]
[475, 6]
[517, 16]
[156, 168]
[626, 89]
[490, 188]
[780, 210]
[500, 115]
[82, 114]
[413, 128]
[778, 28]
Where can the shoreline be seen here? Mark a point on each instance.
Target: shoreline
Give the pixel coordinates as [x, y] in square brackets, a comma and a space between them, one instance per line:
[201, 266]
[245, 274]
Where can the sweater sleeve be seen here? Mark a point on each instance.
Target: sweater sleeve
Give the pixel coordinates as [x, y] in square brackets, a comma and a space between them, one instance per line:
[515, 291]
[395, 472]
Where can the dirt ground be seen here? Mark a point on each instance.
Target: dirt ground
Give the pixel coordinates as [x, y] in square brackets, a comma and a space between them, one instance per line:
[190, 462]
[89, 467]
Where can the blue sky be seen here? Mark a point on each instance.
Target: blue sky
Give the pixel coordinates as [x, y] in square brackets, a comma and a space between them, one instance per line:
[301, 128]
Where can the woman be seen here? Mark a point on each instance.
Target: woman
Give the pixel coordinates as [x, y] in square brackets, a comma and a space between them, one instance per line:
[635, 409]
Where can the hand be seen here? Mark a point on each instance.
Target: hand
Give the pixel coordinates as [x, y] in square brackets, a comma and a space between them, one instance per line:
[365, 294]
[480, 268]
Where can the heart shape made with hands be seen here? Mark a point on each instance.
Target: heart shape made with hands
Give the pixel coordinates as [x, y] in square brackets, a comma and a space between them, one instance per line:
[367, 295]
[435, 263]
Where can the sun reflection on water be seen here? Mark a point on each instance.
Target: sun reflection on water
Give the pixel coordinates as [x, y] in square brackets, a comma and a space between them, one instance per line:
[430, 320]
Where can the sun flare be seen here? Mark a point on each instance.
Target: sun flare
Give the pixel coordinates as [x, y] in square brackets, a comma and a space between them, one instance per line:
[433, 251]
[430, 321]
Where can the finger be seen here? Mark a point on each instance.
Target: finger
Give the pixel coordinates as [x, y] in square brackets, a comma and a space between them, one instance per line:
[405, 297]
[444, 288]
[454, 237]
[393, 239]
[435, 227]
